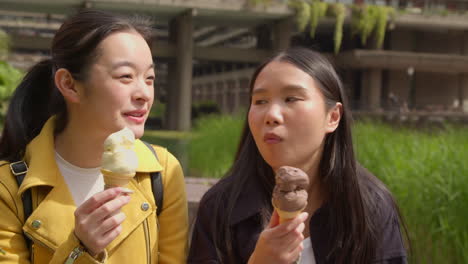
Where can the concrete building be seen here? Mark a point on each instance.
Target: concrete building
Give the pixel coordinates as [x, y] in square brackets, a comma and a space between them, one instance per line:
[206, 50]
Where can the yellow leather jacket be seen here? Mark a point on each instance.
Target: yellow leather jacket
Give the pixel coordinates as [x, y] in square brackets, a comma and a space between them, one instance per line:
[145, 238]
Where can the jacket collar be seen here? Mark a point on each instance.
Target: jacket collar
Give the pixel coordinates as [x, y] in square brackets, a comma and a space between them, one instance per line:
[43, 169]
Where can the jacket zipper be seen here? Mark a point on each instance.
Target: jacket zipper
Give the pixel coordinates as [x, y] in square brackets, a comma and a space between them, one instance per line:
[147, 240]
[33, 246]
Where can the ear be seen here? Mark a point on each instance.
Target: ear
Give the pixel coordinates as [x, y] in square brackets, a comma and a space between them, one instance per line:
[334, 117]
[67, 85]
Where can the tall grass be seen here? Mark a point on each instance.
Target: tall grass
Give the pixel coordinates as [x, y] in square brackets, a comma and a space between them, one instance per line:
[428, 174]
[214, 143]
[426, 171]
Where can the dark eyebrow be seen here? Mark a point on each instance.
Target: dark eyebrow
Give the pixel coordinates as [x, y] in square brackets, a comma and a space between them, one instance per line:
[289, 88]
[259, 91]
[129, 64]
[294, 88]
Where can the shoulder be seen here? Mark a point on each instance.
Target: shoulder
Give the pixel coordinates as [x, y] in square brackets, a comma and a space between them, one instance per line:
[217, 192]
[166, 159]
[7, 179]
[386, 217]
[164, 156]
[214, 201]
[8, 187]
[381, 200]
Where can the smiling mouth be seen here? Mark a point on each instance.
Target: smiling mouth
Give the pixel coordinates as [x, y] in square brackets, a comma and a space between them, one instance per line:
[135, 114]
[136, 117]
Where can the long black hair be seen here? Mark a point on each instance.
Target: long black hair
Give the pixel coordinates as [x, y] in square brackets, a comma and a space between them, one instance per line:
[75, 48]
[351, 195]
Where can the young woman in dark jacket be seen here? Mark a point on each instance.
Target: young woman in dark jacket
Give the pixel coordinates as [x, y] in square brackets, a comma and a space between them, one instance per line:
[298, 117]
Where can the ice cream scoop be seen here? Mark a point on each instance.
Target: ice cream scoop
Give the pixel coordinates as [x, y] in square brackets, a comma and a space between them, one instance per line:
[290, 192]
[119, 160]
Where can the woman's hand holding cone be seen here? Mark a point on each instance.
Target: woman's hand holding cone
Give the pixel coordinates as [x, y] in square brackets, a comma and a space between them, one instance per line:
[280, 243]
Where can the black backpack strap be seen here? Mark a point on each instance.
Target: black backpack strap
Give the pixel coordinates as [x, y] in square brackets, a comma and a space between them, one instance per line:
[19, 170]
[156, 184]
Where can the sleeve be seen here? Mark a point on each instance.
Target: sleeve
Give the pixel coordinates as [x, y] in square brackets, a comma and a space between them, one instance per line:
[12, 240]
[202, 249]
[391, 249]
[65, 249]
[173, 219]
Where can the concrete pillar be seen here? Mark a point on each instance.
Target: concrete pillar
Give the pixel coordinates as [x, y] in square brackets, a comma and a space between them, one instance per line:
[463, 78]
[180, 74]
[463, 93]
[372, 89]
[264, 39]
[282, 32]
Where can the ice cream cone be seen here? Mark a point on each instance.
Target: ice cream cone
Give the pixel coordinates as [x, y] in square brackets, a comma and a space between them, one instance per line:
[285, 215]
[119, 160]
[112, 179]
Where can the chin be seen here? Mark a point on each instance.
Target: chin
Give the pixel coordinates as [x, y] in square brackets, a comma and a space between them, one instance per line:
[137, 130]
[274, 164]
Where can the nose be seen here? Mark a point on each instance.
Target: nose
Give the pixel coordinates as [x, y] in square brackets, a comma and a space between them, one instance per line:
[274, 115]
[143, 91]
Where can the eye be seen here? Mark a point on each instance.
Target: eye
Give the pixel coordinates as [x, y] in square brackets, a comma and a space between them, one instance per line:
[125, 76]
[291, 99]
[259, 102]
[150, 80]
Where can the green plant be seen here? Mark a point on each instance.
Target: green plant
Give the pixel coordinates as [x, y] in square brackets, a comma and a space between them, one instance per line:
[338, 11]
[212, 148]
[366, 19]
[4, 44]
[9, 79]
[318, 10]
[157, 110]
[428, 174]
[303, 12]
[310, 13]
[204, 108]
[254, 3]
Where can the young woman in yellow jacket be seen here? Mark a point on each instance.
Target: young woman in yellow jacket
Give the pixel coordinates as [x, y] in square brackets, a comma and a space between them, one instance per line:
[98, 80]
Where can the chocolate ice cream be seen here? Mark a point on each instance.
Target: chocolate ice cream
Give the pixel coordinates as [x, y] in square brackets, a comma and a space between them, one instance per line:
[290, 192]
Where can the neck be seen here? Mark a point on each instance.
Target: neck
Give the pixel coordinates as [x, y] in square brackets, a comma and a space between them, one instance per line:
[80, 145]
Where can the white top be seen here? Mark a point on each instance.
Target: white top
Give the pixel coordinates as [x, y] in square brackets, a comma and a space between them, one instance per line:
[307, 256]
[82, 182]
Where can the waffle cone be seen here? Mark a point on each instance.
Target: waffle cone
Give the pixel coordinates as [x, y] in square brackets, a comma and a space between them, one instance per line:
[112, 179]
[286, 215]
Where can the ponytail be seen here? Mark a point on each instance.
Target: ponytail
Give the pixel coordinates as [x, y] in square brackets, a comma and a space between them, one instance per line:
[34, 101]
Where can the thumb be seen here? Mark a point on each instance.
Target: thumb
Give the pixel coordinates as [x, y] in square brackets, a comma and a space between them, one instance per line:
[274, 220]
